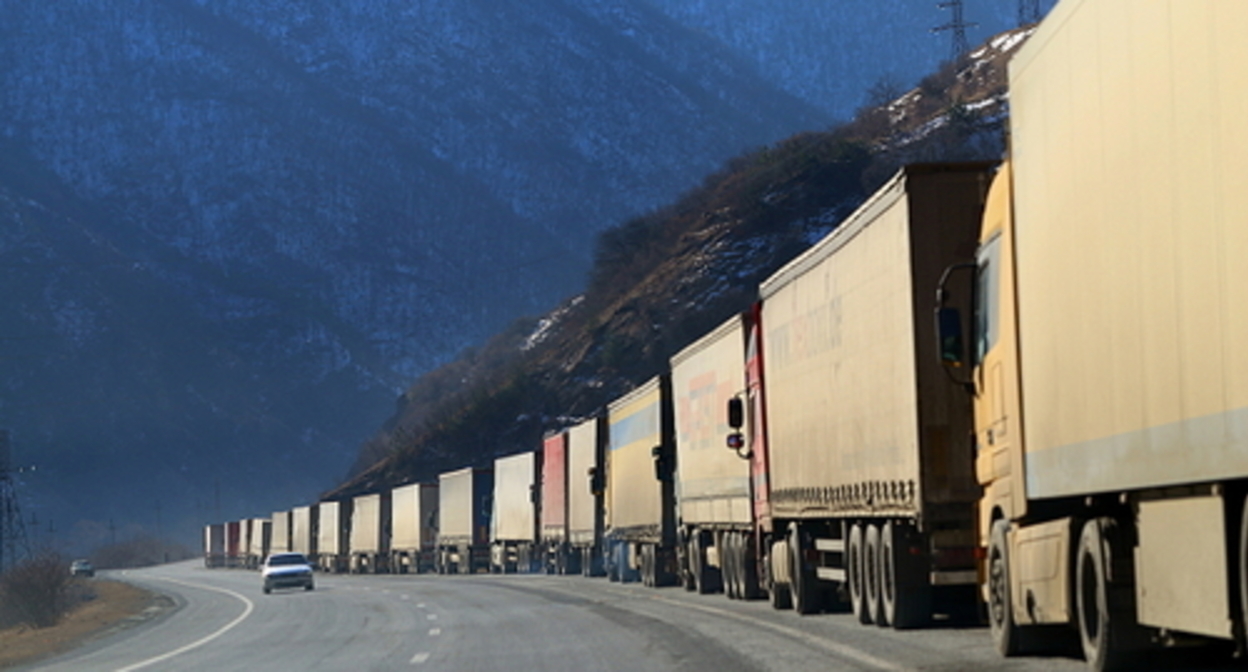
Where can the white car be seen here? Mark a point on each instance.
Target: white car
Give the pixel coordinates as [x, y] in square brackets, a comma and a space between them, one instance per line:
[286, 570]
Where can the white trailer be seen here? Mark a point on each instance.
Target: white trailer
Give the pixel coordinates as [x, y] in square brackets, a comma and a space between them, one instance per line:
[333, 538]
[414, 527]
[370, 533]
[303, 531]
[280, 538]
[513, 523]
[587, 443]
[464, 520]
[713, 494]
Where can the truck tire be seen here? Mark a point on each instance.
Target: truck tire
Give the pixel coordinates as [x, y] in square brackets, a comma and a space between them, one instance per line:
[778, 593]
[704, 579]
[727, 561]
[871, 574]
[854, 555]
[1001, 625]
[1104, 590]
[748, 567]
[905, 594]
[1242, 563]
[805, 589]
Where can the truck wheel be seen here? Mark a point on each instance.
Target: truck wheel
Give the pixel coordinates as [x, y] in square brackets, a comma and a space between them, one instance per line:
[854, 553]
[806, 595]
[1005, 633]
[1242, 564]
[905, 595]
[871, 573]
[747, 563]
[781, 597]
[1106, 614]
[703, 575]
[728, 562]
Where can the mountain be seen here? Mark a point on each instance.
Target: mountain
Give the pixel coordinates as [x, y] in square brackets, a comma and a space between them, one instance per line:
[232, 231]
[663, 280]
[830, 54]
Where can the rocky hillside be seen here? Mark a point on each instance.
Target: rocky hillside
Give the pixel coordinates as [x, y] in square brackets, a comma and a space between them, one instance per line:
[232, 230]
[661, 281]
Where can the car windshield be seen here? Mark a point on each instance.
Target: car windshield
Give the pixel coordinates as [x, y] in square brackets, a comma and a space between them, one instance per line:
[293, 559]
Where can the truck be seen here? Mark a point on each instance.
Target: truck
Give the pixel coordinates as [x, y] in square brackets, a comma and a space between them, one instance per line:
[259, 538]
[234, 550]
[464, 520]
[370, 533]
[1106, 341]
[587, 446]
[304, 532]
[333, 536]
[214, 545]
[414, 527]
[514, 520]
[713, 495]
[640, 537]
[555, 550]
[863, 462]
[280, 538]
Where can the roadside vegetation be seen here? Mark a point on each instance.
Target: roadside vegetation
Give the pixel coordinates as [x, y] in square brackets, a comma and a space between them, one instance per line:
[38, 592]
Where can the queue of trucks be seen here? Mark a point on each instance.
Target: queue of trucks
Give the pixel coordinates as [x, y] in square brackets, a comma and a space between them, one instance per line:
[1011, 391]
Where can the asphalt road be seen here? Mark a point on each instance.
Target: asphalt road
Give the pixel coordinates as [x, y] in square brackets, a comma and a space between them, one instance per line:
[423, 623]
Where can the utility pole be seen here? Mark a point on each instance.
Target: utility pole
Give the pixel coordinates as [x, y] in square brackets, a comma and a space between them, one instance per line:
[1028, 12]
[12, 528]
[958, 27]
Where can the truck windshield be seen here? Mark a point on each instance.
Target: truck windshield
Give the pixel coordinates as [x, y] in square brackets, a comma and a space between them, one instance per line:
[987, 293]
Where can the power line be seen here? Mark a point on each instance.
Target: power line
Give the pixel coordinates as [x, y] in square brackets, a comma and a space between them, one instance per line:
[957, 25]
[12, 527]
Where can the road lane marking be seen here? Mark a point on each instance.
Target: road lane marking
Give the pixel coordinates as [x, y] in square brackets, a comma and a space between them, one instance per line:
[434, 632]
[419, 658]
[433, 617]
[421, 605]
[250, 606]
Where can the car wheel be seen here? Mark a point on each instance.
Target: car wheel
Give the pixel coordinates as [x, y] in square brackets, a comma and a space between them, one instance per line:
[308, 587]
[267, 590]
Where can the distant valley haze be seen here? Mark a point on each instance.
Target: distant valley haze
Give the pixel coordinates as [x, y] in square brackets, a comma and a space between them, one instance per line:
[233, 231]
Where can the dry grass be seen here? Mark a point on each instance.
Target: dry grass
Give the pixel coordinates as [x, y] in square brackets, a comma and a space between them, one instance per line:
[114, 603]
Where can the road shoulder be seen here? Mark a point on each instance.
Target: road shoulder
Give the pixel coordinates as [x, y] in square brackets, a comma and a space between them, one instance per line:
[117, 606]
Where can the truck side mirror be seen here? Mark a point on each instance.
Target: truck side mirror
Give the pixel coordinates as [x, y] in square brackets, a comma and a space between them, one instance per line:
[736, 413]
[949, 335]
[662, 464]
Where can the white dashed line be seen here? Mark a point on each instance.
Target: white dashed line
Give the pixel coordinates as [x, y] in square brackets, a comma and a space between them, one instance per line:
[433, 617]
[435, 632]
[420, 658]
[421, 605]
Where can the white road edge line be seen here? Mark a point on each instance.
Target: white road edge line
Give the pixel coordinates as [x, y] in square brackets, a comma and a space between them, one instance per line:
[196, 644]
[419, 658]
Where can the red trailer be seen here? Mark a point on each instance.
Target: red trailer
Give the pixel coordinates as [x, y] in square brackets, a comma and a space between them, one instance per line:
[234, 544]
[557, 551]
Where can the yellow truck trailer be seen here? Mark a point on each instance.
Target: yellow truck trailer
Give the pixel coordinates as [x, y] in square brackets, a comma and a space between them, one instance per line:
[1108, 346]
